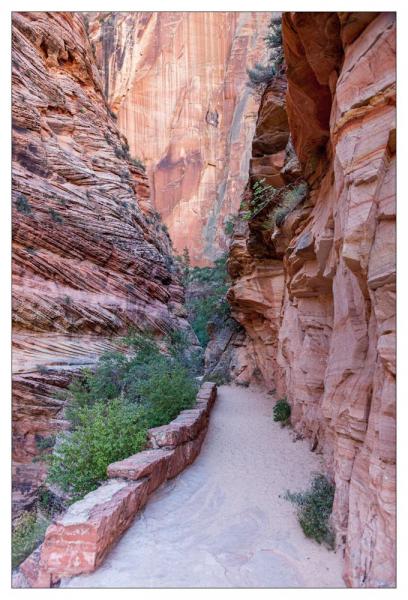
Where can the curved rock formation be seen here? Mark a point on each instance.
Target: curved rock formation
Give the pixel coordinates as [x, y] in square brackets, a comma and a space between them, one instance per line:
[178, 84]
[90, 255]
[316, 294]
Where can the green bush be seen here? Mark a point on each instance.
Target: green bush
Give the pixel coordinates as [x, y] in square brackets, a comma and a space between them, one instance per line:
[281, 411]
[28, 532]
[23, 205]
[211, 304]
[260, 74]
[314, 509]
[111, 408]
[105, 432]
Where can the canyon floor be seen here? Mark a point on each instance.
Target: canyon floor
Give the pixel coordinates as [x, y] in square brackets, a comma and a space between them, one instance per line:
[224, 522]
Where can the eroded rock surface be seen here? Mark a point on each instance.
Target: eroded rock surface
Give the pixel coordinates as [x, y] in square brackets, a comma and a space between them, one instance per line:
[178, 84]
[90, 256]
[316, 295]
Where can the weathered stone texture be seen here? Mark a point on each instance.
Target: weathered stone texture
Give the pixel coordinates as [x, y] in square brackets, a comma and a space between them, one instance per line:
[178, 84]
[90, 258]
[79, 540]
[317, 297]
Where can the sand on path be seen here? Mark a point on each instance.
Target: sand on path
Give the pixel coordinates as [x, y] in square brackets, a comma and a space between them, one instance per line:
[222, 522]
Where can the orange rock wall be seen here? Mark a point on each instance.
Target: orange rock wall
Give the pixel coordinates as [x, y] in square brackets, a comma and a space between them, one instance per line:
[178, 84]
[317, 298]
[90, 258]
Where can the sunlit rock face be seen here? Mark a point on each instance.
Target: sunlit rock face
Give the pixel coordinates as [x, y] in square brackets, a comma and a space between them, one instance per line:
[317, 296]
[178, 84]
[90, 256]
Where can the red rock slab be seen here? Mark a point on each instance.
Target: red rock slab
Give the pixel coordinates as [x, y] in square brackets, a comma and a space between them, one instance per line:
[184, 428]
[79, 540]
[30, 575]
[149, 463]
[185, 454]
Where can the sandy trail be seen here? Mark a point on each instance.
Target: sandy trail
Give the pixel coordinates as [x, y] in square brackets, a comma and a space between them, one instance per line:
[221, 523]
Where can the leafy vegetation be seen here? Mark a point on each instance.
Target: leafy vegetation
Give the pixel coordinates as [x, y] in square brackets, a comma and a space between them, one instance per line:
[23, 205]
[55, 216]
[260, 75]
[281, 411]
[27, 533]
[314, 509]
[138, 163]
[111, 408]
[210, 304]
[230, 224]
[281, 202]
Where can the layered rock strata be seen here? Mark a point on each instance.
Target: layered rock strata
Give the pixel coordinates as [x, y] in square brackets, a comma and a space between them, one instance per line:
[90, 256]
[178, 84]
[316, 294]
[80, 539]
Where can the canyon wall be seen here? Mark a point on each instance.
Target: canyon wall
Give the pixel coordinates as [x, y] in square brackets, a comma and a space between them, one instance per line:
[178, 84]
[315, 290]
[90, 255]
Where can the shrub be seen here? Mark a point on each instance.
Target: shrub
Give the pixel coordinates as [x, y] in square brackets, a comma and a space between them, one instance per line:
[138, 163]
[260, 75]
[314, 510]
[211, 305]
[23, 205]
[229, 225]
[165, 392]
[281, 411]
[111, 408]
[281, 200]
[55, 216]
[28, 532]
[105, 432]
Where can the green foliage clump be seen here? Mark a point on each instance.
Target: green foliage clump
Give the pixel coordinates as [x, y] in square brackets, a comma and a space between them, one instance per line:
[23, 205]
[111, 408]
[55, 216]
[281, 411]
[138, 163]
[314, 509]
[260, 75]
[279, 202]
[229, 225]
[211, 305]
[105, 432]
[27, 533]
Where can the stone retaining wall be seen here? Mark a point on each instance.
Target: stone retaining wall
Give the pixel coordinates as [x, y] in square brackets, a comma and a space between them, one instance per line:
[79, 540]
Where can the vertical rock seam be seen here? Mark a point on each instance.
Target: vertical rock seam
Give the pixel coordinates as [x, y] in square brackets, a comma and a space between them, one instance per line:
[315, 291]
[177, 82]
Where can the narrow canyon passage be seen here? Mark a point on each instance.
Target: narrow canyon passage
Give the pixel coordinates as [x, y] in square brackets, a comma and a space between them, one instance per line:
[221, 523]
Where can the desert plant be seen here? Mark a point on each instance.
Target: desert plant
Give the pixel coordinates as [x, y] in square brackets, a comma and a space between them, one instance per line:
[55, 216]
[27, 533]
[111, 407]
[314, 510]
[105, 432]
[260, 75]
[138, 163]
[23, 205]
[211, 305]
[281, 411]
[229, 225]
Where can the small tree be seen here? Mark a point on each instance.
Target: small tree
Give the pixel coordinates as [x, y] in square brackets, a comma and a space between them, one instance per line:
[261, 75]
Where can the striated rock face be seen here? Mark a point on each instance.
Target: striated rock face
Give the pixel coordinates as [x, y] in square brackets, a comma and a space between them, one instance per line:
[90, 257]
[317, 294]
[177, 82]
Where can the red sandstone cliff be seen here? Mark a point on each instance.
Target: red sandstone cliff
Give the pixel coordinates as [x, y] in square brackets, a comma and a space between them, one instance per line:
[178, 84]
[316, 294]
[90, 256]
